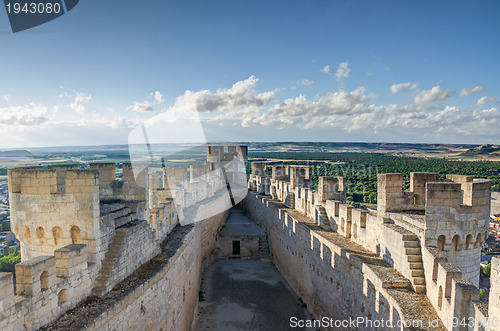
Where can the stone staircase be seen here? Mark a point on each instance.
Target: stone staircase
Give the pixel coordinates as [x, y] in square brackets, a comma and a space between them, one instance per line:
[414, 257]
[102, 284]
[264, 253]
[325, 222]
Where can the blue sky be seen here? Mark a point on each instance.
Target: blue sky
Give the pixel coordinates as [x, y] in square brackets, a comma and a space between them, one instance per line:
[256, 71]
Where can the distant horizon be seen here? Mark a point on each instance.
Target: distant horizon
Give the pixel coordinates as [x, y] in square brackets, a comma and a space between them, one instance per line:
[243, 142]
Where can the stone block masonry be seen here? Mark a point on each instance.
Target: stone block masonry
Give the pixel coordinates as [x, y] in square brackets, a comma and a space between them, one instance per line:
[159, 295]
[85, 234]
[413, 259]
[335, 277]
[431, 235]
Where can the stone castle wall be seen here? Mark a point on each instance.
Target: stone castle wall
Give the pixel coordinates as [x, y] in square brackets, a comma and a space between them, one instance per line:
[335, 279]
[431, 235]
[167, 300]
[83, 232]
[413, 259]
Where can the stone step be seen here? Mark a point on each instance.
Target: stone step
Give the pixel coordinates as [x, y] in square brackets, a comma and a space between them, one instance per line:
[117, 240]
[104, 274]
[265, 251]
[101, 282]
[108, 265]
[411, 244]
[120, 221]
[417, 273]
[416, 265]
[414, 258]
[420, 289]
[114, 249]
[117, 209]
[413, 251]
[418, 280]
[266, 260]
[111, 259]
[409, 236]
[98, 291]
[121, 233]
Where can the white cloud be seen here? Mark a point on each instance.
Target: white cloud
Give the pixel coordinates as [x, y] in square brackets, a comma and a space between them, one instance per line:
[403, 87]
[465, 92]
[242, 96]
[6, 97]
[339, 113]
[343, 71]
[307, 82]
[425, 97]
[158, 97]
[482, 100]
[326, 69]
[144, 107]
[78, 104]
[23, 116]
[305, 113]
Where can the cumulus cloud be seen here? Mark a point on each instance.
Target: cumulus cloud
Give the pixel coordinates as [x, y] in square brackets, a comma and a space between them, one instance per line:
[307, 82]
[343, 71]
[158, 97]
[465, 92]
[425, 97]
[144, 107]
[326, 69]
[353, 112]
[307, 113]
[241, 96]
[6, 97]
[482, 100]
[22, 116]
[403, 87]
[79, 101]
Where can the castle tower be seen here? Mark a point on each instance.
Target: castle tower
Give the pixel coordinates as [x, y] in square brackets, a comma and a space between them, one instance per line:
[52, 208]
[452, 216]
[457, 221]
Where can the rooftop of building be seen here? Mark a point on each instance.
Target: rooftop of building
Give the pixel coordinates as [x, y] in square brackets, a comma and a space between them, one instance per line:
[239, 225]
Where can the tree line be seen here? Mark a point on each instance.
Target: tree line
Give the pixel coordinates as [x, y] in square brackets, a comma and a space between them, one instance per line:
[361, 169]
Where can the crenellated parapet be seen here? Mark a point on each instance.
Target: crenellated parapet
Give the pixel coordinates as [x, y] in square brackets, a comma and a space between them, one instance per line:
[225, 153]
[432, 234]
[83, 231]
[46, 287]
[392, 198]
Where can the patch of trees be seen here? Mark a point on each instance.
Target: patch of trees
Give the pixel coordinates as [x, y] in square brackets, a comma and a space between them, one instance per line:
[7, 262]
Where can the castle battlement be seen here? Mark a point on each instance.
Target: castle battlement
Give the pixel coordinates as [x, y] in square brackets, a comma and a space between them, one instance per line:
[226, 153]
[432, 234]
[47, 285]
[85, 231]
[60, 180]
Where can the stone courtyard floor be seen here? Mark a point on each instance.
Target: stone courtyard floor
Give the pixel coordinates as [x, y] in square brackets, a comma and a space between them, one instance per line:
[246, 295]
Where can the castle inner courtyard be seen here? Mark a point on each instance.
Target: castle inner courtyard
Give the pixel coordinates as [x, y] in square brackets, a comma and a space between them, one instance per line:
[246, 295]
